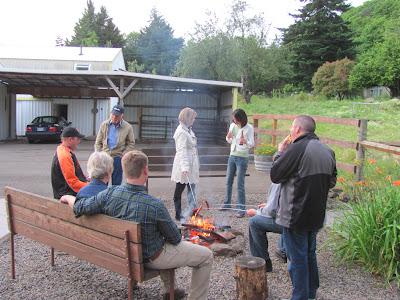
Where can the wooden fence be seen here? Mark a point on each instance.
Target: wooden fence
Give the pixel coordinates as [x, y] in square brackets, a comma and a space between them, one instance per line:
[358, 146]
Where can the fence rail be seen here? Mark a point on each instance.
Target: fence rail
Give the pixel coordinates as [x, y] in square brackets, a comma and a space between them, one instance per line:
[358, 146]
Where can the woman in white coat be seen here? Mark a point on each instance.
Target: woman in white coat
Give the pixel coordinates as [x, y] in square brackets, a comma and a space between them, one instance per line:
[185, 170]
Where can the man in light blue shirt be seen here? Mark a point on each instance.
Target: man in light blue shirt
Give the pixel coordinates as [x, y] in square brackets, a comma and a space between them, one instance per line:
[263, 221]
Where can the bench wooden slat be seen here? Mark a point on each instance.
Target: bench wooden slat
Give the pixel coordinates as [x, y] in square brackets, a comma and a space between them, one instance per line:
[48, 206]
[92, 255]
[91, 238]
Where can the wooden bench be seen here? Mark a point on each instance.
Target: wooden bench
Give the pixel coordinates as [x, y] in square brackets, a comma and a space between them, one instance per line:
[110, 243]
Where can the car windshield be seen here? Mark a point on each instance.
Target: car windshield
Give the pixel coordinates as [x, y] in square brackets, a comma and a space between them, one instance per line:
[48, 119]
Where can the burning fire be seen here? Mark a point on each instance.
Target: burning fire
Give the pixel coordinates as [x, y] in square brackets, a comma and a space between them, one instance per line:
[200, 222]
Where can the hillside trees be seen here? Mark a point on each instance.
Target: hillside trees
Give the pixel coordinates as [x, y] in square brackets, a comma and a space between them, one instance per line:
[379, 66]
[96, 30]
[318, 35]
[156, 48]
[236, 52]
[332, 78]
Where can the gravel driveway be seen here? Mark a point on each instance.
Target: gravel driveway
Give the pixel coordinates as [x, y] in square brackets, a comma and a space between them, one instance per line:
[75, 279]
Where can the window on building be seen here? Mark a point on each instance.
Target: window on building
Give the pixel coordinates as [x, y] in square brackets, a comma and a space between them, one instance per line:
[82, 67]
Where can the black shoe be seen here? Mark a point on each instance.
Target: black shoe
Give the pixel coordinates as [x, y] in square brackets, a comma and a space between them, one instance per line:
[240, 215]
[179, 294]
[268, 265]
[281, 255]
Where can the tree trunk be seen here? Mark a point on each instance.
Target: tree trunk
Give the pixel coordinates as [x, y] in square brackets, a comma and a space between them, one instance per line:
[251, 278]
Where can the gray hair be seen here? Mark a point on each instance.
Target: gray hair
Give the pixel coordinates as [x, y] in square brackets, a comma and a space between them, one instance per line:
[306, 123]
[99, 165]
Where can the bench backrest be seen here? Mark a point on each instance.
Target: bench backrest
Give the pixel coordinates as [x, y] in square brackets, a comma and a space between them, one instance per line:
[98, 239]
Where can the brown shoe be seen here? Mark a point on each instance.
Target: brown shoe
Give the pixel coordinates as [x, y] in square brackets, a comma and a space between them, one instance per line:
[178, 293]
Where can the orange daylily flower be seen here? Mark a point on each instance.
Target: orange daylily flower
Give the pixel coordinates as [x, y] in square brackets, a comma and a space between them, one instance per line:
[341, 179]
[372, 161]
[378, 170]
[396, 183]
[388, 178]
[361, 183]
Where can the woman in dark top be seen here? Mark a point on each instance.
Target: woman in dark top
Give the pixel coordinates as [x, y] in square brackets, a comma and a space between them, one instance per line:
[99, 168]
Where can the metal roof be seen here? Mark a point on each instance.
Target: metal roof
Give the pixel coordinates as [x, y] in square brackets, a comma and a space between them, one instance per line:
[94, 84]
[61, 53]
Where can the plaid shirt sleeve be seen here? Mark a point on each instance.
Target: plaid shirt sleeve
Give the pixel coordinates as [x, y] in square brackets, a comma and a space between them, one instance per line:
[167, 226]
[92, 205]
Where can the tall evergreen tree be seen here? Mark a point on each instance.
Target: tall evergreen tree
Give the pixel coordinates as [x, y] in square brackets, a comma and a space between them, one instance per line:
[318, 35]
[157, 49]
[97, 30]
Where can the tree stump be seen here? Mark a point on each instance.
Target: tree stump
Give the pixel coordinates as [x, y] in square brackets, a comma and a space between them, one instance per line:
[251, 278]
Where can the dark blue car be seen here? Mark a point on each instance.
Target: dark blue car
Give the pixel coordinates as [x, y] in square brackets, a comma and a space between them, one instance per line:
[45, 128]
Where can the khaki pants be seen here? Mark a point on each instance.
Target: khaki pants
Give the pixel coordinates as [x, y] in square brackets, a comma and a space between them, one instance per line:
[186, 254]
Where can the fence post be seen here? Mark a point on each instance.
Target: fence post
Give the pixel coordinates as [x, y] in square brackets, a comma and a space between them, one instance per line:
[255, 124]
[362, 136]
[274, 127]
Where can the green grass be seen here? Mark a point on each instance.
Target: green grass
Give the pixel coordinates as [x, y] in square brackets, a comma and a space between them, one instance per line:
[383, 125]
[383, 116]
[369, 233]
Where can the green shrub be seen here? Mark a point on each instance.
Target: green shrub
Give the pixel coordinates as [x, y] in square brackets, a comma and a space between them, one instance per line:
[265, 149]
[369, 233]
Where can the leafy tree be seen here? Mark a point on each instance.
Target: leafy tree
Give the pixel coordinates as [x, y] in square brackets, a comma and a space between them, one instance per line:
[131, 54]
[157, 49]
[108, 33]
[372, 21]
[84, 30]
[318, 35]
[332, 78]
[379, 66]
[236, 52]
[96, 29]
[212, 58]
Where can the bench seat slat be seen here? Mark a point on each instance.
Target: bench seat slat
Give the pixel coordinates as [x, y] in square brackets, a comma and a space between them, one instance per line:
[92, 255]
[95, 239]
[51, 207]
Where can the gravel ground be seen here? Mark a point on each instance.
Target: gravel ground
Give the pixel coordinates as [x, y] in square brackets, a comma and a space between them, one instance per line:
[75, 279]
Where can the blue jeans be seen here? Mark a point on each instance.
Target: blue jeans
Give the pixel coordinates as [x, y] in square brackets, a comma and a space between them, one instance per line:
[236, 165]
[117, 173]
[303, 269]
[258, 228]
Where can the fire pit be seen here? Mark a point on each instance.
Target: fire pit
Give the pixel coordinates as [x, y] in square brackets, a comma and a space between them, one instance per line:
[202, 230]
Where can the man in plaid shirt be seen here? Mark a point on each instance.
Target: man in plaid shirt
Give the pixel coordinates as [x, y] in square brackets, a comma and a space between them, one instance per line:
[162, 245]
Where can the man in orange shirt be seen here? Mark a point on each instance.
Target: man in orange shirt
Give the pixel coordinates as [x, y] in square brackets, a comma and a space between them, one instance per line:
[67, 177]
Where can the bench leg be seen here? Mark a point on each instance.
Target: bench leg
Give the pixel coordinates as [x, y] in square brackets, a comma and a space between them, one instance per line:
[172, 284]
[130, 288]
[52, 256]
[12, 255]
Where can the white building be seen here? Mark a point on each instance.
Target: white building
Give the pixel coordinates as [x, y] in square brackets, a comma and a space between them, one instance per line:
[79, 86]
[77, 111]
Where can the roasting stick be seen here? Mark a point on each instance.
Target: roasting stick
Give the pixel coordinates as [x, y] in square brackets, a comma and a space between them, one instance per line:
[190, 188]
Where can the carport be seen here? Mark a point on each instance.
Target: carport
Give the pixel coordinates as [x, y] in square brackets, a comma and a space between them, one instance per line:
[152, 102]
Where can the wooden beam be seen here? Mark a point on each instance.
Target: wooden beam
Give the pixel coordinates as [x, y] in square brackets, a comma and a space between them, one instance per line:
[114, 87]
[129, 88]
[60, 92]
[350, 122]
[381, 147]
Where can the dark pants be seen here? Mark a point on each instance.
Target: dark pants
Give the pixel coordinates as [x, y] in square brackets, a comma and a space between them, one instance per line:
[178, 199]
[258, 227]
[117, 173]
[300, 249]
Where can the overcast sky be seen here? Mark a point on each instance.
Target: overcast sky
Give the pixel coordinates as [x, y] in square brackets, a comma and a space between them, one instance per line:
[39, 22]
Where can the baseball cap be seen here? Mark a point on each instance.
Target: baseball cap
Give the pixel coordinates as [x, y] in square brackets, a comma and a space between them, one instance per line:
[71, 132]
[117, 110]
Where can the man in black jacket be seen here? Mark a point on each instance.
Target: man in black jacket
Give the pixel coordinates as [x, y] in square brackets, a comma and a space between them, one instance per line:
[306, 169]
